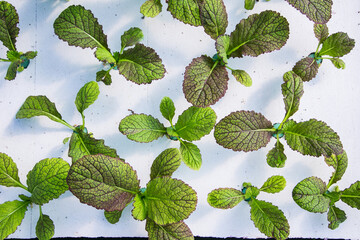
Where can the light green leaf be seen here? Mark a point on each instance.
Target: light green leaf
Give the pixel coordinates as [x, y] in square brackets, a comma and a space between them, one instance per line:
[11, 215]
[103, 76]
[190, 154]
[9, 20]
[258, 34]
[276, 157]
[318, 11]
[131, 37]
[309, 195]
[141, 64]
[251, 192]
[45, 228]
[312, 137]
[269, 219]
[243, 131]
[167, 108]
[222, 46]
[113, 216]
[335, 216]
[337, 45]
[306, 68]
[174, 231]
[141, 128]
[78, 27]
[12, 70]
[13, 55]
[351, 195]
[213, 17]
[186, 11]
[274, 184]
[292, 90]
[225, 198]
[242, 77]
[86, 96]
[339, 163]
[338, 63]
[9, 176]
[139, 211]
[47, 180]
[166, 163]
[249, 4]
[169, 200]
[104, 55]
[195, 122]
[151, 8]
[321, 32]
[30, 54]
[90, 180]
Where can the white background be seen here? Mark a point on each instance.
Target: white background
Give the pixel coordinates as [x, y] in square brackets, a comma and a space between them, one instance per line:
[59, 71]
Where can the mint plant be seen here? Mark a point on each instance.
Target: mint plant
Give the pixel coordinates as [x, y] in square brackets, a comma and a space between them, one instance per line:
[140, 64]
[268, 218]
[314, 195]
[81, 142]
[9, 31]
[111, 184]
[192, 125]
[45, 182]
[329, 47]
[248, 131]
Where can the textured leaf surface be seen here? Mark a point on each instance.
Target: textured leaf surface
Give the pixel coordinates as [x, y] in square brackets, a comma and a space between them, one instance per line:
[204, 82]
[308, 194]
[318, 11]
[222, 46]
[306, 68]
[258, 34]
[321, 32]
[351, 195]
[151, 8]
[269, 219]
[167, 108]
[276, 157]
[313, 138]
[141, 128]
[45, 228]
[104, 55]
[335, 216]
[242, 77]
[337, 45]
[78, 27]
[225, 198]
[9, 20]
[103, 182]
[11, 215]
[131, 37]
[243, 131]
[292, 90]
[141, 64]
[186, 11]
[249, 4]
[113, 216]
[213, 17]
[338, 63]
[139, 211]
[166, 163]
[169, 200]
[47, 180]
[86, 96]
[12, 70]
[9, 176]
[103, 76]
[174, 231]
[195, 122]
[274, 184]
[190, 154]
[339, 163]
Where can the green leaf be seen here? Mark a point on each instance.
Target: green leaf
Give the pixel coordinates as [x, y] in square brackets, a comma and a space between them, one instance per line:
[249, 4]
[9, 176]
[167, 108]
[11, 215]
[306, 68]
[213, 17]
[13, 55]
[195, 122]
[90, 180]
[338, 63]
[131, 37]
[166, 163]
[274, 184]
[82, 144]
[251, 192]
[174, 231]
[225, 198]
[269, 219]
[30, 54]
[186, 11]
[78, 27]
[12, 70]
[151, 8]
[292, 90]
[318, 11]
[351, 195]
[86, 96]
[169, 200]
[276, 157]
[47, 180]
[309, 195]
[9, 20]
[205, 82]
[190, 154]
[141, 65]
[337, 45]
[103, 76]
[321, 32]
[312, 137]
[139, 211]
[113, 216]
[222, 46]
[104, 55]
[242, 77]
[333, 196]
[243, 131]
[335, 216]
[45, 228]
[141, 128]
[339, 163]
[258, 34]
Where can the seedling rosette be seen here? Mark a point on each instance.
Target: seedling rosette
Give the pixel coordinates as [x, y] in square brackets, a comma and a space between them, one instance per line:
[268, 218]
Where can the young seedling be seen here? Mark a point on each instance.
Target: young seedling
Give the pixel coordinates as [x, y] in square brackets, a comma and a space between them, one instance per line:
[192, 125]
[81, 142]
[329, 47]
[249, 131]
[313, 194]
[140, 64]
[9, 31]
[268, 218]
[111, 184]
[45, 182]
[250, 4]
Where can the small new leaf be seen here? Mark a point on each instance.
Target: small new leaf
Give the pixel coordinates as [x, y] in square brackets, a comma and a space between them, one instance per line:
[274, 184]
[104, 55]
[186, 11]
[213, 17]
[172, 231]
[337, 45]
[249, 4]
[131, 37]
[9, 20]
[351, 195]
[321, 32]
[103, 76]
[9, 176]
[318, 11]
[276, 157]
[166, 163]
[242, 77]
[12, 70]
[151, 8]
[222, 46]
[139, 211]
[292, 90]
[86, 96]
[339, 163]
[113, 216]
[225, 198]
[338, 63]
[190, 154]
[167, 108]
[306, 68]
[335, 216]
[45, 228]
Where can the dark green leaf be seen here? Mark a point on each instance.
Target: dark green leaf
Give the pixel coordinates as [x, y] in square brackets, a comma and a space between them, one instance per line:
[30, 54]
[103, 182]
[306, 68]
[335, 216]
[174, 231]
[167, 108]
[321, 32]
[205, 82]
[166, 163]
[86, 96]
[104, 76]
[113, 216]
[242, 77]
[274, 184]
[222, 46]
[186, 11]
[12, 70]
[139, 211]
[249, 4]
[318, 11]
[243, 131]
[339, 163]
[190, 154]
[225, 198]
[9, 20]
[338, 63]
[276, 157]
[351, 195]
[292, 90]
[9, 176]
[151, 8]
[131, 37]
[337, 45]
[45, 228]
[213, 17]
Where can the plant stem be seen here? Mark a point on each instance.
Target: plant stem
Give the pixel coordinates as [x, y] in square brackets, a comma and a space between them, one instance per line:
[5, 60]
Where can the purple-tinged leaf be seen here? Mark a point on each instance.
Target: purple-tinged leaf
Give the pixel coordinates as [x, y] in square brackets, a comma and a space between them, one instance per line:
[9, 20]
[292, 90]
[276, 157]
[321, 32]
[306, 68]
[318, 11]
[186, 11]
[213, 17]
[174, 231]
